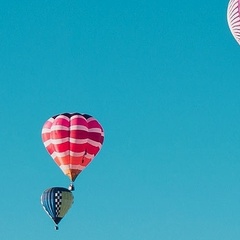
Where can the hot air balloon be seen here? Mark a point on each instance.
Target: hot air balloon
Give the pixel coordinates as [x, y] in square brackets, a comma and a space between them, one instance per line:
[56, 202]
[233, 18]
[72, 140]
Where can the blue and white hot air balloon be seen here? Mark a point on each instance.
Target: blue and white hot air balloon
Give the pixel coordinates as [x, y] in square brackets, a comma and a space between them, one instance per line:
[56, 202]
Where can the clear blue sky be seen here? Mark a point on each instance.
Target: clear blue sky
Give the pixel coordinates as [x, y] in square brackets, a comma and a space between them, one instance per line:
[162, 77]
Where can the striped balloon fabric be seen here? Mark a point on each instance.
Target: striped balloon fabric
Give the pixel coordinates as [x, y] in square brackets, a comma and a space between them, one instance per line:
[233, 18]
[56, 202]
[72, 140]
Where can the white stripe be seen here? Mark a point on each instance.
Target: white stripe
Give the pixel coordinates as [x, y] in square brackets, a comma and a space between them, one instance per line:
[51, 120]
[94, 143]
[77, 154]
[89, 156]
[77, 116]
[67, 153]
[96, 130]
[72, 140]
[60, 140]
[60, 154]
[235, 14]
[78, 127]
[62, 116]
[47, 143]
[70, 166]
[92, 119]
[59, 127]
[77, 141]
[73, 127]
[54, 155]
[46, 130]
[68, 139]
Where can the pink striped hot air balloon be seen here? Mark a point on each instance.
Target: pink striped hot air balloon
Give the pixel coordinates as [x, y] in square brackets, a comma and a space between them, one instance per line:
[72, 140]
[233, 18]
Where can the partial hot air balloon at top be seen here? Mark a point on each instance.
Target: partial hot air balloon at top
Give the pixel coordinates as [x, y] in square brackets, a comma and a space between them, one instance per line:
[233, 18]
[72, 140]
[56, 202]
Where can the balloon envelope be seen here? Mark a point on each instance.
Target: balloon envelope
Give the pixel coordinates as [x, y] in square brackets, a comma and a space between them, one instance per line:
[72, 140]
[233, 18]
[56, 202]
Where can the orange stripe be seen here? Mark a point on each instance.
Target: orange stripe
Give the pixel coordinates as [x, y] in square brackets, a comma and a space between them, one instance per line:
[72, 174]
[62, 160]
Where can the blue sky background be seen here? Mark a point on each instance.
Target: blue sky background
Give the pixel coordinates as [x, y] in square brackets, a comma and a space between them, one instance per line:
[162, 77]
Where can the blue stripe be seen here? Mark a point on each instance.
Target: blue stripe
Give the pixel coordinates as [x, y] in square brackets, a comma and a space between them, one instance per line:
[48, 202]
